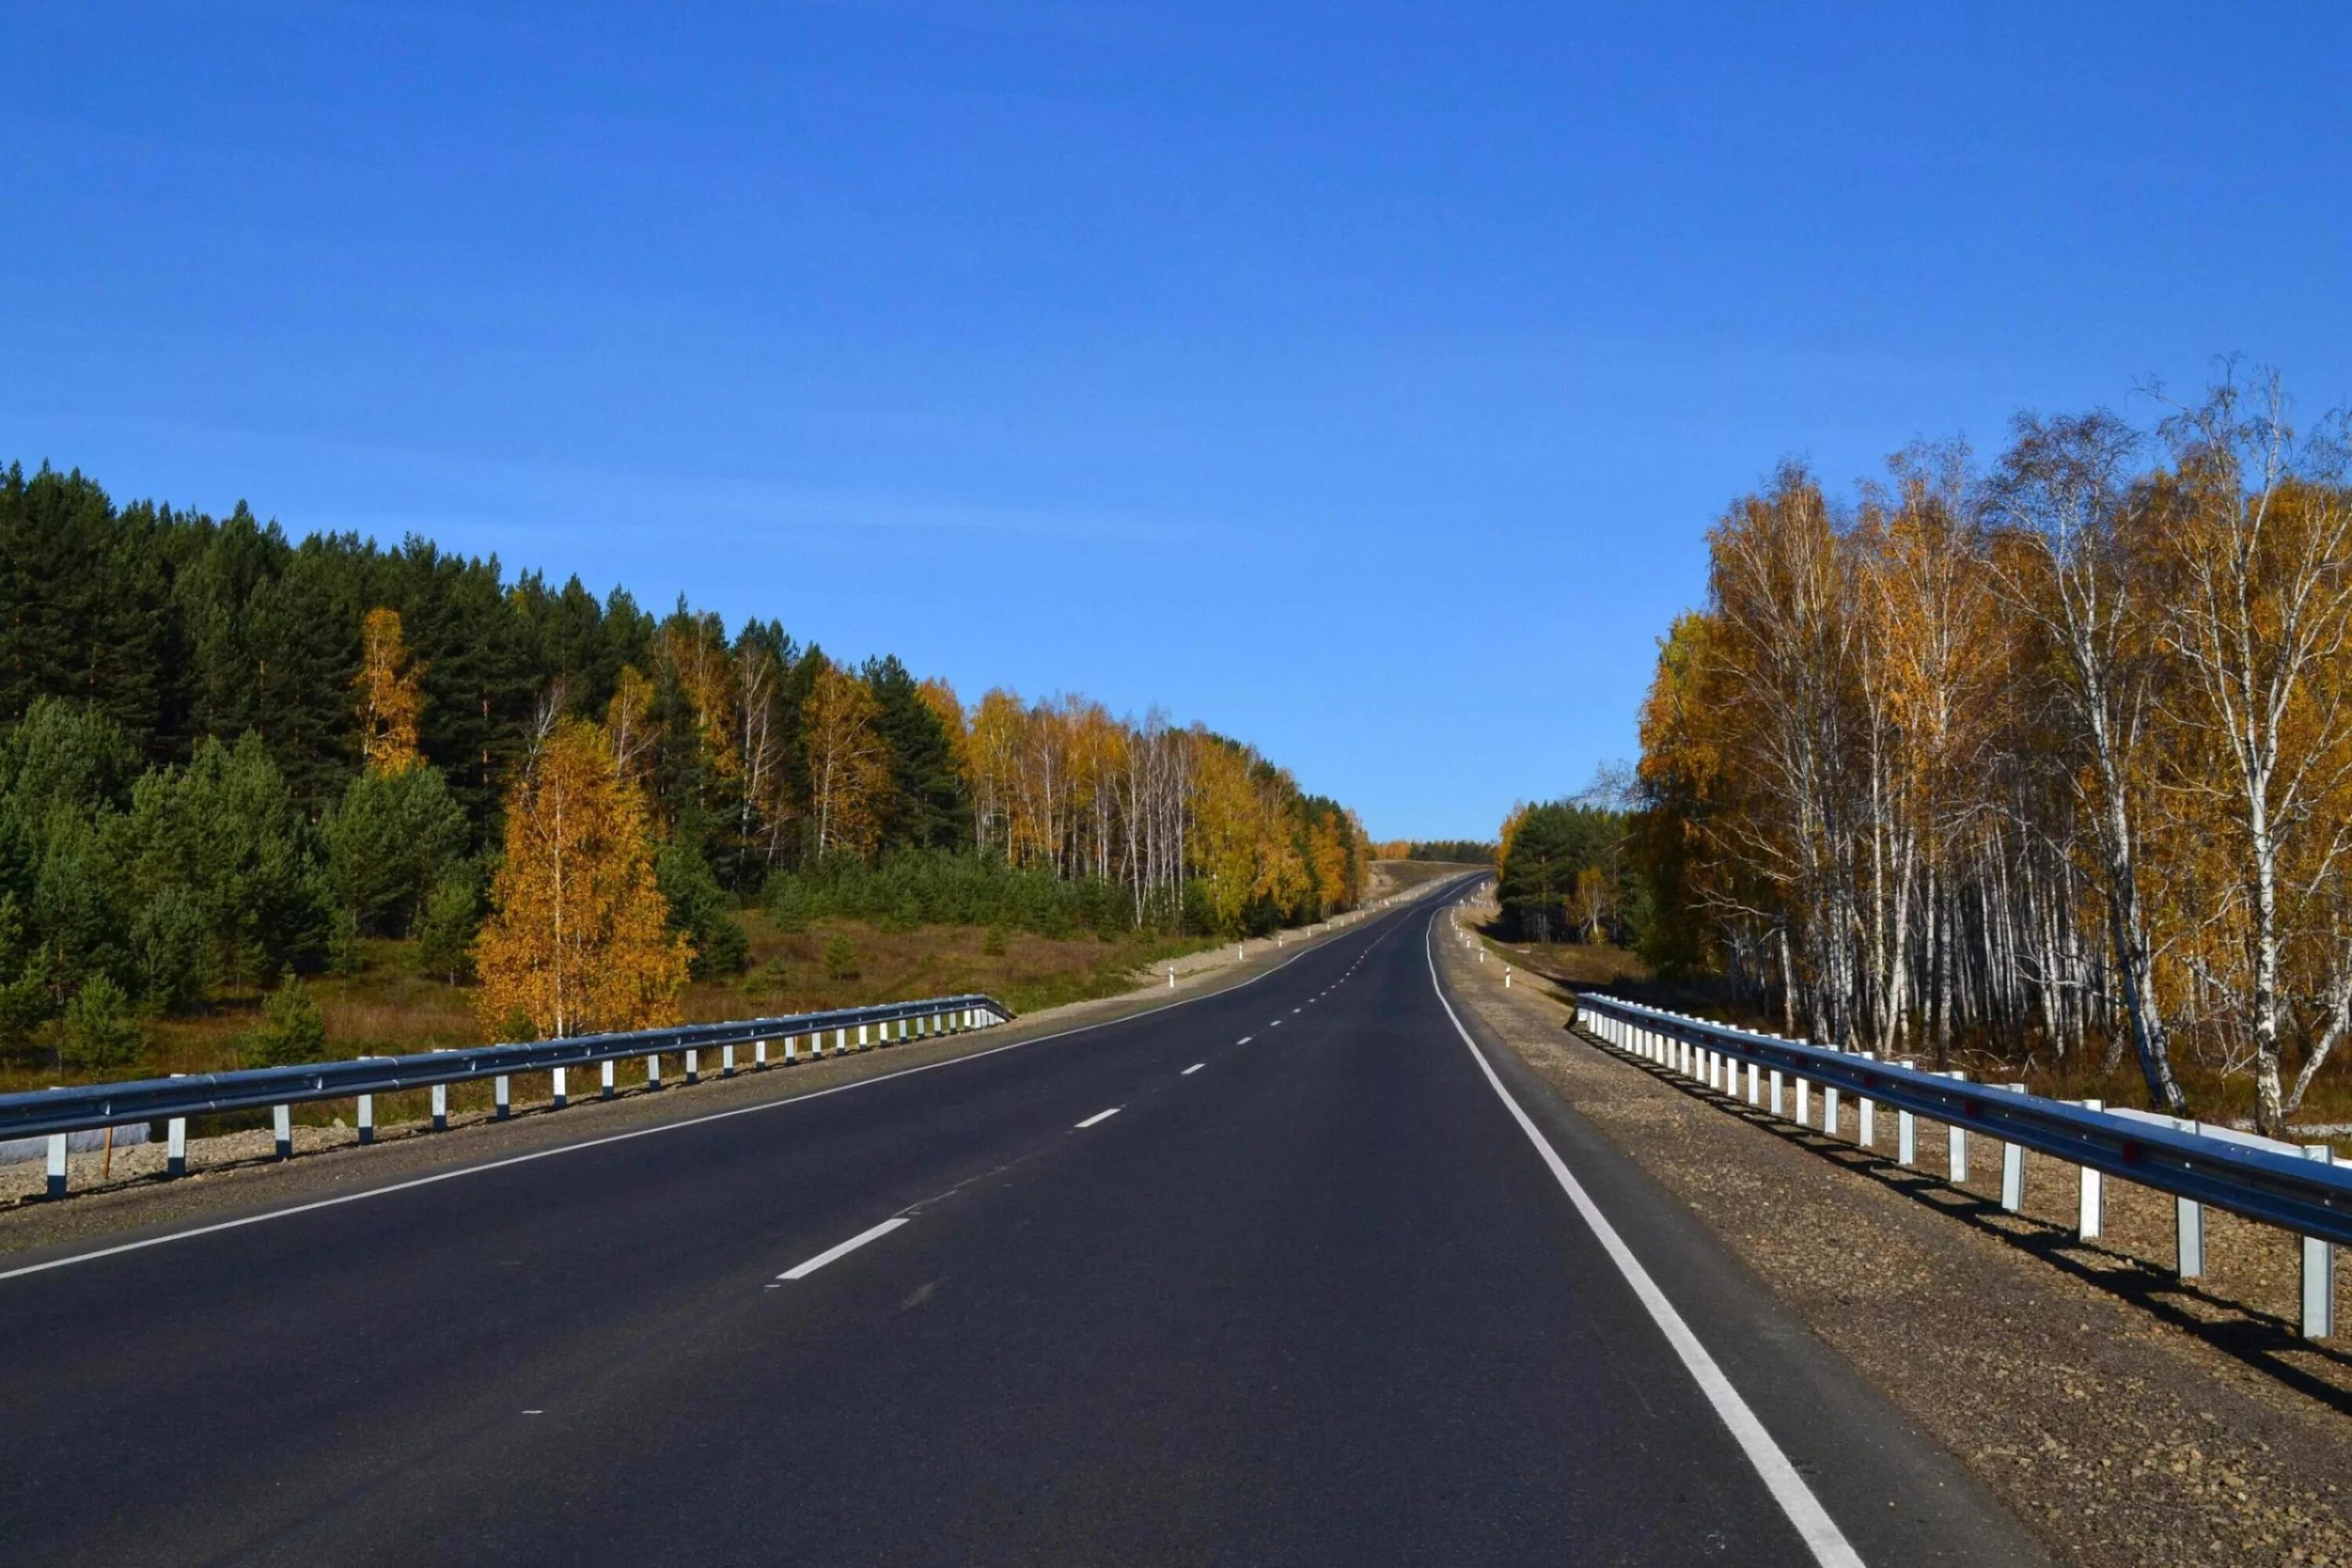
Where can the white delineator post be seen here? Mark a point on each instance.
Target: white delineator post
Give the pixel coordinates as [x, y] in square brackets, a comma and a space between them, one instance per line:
[440, 1108]
[605, 1088]
[653, 1070]
[2319, 1270]
[727, 1061]
[2090, 1195]
[175, 1143]
[1956, 1142]
[54, 1171]
[693, 1066]
[366, 1119]
[557, 1080]
[281, 1126]
[1907, 1132]
[500, 1098]
[2013, 1166]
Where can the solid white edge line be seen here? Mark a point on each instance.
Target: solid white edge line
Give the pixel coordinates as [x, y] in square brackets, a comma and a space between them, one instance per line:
[389, 1188]
[802, 1270]
[1189, 1071]
[1828, 1543]
[1098, 1115]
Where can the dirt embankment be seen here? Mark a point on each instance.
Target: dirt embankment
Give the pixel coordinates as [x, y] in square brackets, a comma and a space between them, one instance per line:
[2132, 1419]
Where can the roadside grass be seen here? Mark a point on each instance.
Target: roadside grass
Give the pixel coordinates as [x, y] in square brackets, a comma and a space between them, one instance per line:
[1398, 876]
[388, 1008]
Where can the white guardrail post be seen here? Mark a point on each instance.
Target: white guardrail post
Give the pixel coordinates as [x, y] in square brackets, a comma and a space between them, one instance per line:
[1907, 1131]
[2090, 1193]
[2319, 1270]
[175, 1143]
[2013, 1166]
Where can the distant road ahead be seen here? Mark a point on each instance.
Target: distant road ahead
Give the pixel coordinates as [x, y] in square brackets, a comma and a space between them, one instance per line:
[1275, 1275]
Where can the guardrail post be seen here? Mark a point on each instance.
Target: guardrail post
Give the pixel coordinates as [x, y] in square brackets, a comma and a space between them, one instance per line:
[1956, 1142]
[792, 1058]
[56, 1185]
[693, 1065]
[758, 1055]
[367, 1118]
[557, 1080]
[1865, 1113]
[1829, 1108]
[840, 1041]
[175, 1143]
[1907, 1132]
[1755, 1083]
[281, 1124]
[2319, 1270]
[653, 1072]
[440, 1108]
[726, 1061]
[604, 1089]
[2188, 1238]
[1778, 1085]
[2013, 1166]
[1804, 1102]
[2090, 1193]
[502, 1097]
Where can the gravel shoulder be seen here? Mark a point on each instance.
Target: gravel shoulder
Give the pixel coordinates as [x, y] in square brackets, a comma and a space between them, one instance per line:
[239, 1172]
[2126, 1418]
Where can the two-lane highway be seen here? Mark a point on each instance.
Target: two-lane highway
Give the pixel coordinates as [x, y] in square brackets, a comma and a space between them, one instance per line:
[1296, 1272]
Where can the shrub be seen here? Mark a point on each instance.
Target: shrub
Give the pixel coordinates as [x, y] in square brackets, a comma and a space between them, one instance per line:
[101, 1035]
[291, 1030]
[445, 932]
[701, 908]
[840, 959]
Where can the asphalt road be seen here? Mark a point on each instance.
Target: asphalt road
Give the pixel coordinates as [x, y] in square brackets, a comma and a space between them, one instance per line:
[1314, 1293]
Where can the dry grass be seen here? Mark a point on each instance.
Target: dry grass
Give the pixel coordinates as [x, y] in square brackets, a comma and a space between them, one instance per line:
[390, 1010]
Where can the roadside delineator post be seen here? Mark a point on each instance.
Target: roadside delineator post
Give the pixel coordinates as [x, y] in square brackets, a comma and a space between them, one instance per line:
[1906, 1130]
[2319, 1270]
[500, 1098]
[557, 1078]
[1865, 1113]
[54, 1171]
[2013, 1166]
[1956, 1143]
[175, 1143]
[2090, 1193]
[604, 1089]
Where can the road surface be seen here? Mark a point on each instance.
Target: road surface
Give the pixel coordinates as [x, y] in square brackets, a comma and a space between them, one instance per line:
[1277, 1275]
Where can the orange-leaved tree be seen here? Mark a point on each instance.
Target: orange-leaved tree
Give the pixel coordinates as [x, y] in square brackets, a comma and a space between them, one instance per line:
[849, 765]
[391, 694]
[577, 940]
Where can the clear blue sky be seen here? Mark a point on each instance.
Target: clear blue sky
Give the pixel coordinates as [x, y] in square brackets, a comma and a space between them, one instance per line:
[1359, 379]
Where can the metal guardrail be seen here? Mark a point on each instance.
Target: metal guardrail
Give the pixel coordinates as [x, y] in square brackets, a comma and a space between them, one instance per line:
[58, 1112]
[2296, 1189]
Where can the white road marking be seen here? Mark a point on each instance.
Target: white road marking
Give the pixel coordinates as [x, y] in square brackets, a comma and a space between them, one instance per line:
[1189, 1071]
[1099, 1116]
[1829, 1545]
[802, 1270]
[437, 1177]
[1245, 1039]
